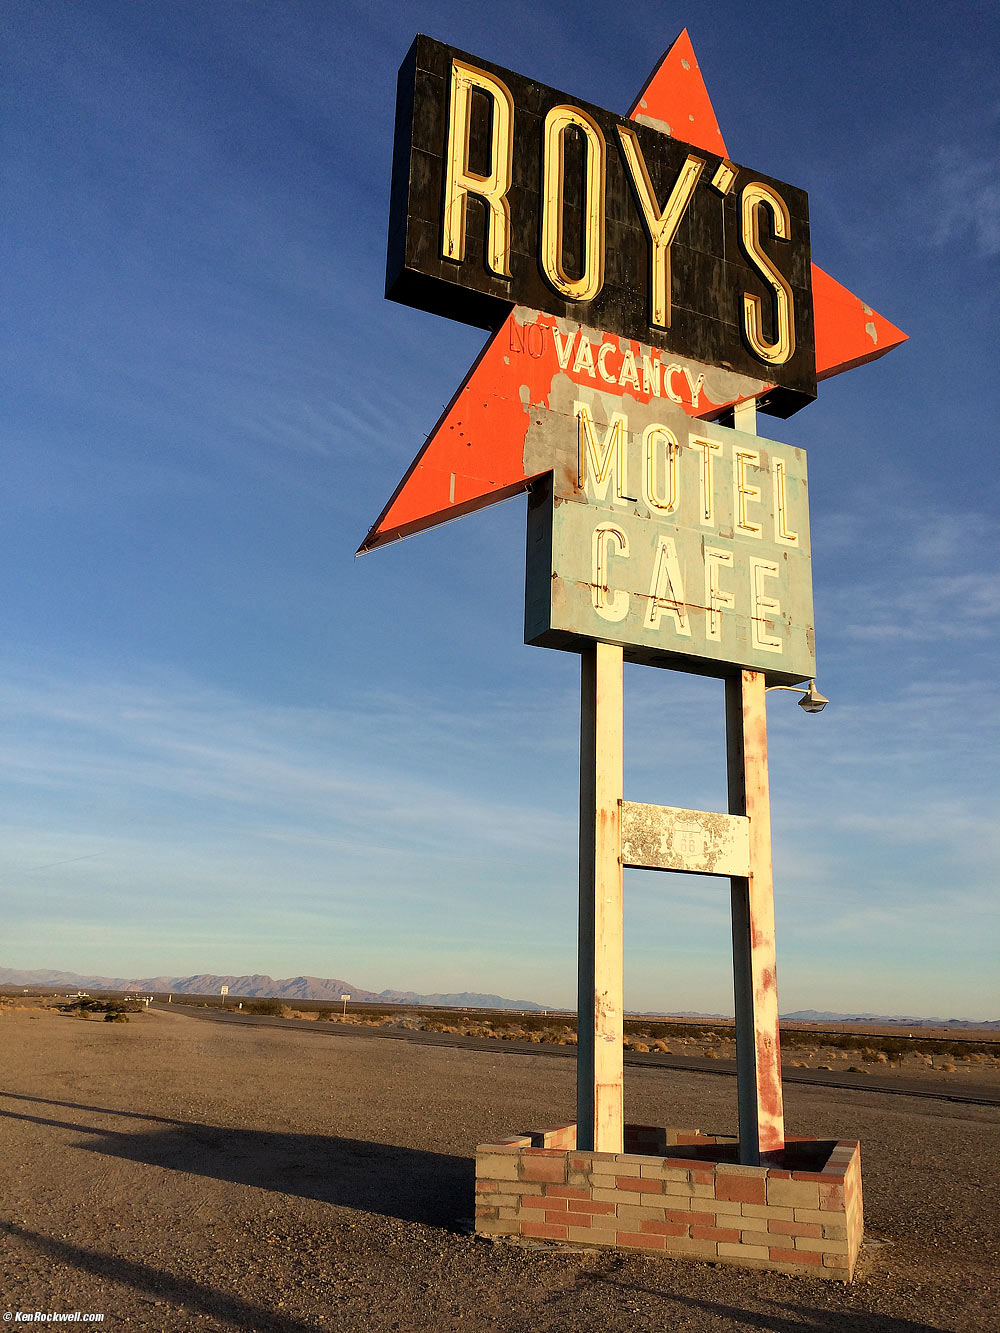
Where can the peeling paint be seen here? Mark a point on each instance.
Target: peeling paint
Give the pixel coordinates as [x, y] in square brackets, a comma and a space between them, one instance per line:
[701, 842]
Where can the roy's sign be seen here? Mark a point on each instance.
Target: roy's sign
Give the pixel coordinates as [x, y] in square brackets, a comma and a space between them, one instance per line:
[506, 192]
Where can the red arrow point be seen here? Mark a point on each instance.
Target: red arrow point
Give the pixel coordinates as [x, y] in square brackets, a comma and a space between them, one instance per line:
[676, 100]
[848, 332]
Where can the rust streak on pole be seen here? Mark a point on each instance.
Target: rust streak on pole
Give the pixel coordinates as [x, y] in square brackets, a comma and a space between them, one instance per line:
[599, 1023]
[758, 1053]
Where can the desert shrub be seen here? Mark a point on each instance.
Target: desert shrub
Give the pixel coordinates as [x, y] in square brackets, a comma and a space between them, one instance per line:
[268, 1008]
[116, 1016]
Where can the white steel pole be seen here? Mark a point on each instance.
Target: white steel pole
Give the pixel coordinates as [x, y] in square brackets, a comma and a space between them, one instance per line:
[758, 1052]
[599, 1003]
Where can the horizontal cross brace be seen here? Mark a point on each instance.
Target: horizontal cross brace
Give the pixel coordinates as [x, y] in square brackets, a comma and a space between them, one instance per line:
[700, 842]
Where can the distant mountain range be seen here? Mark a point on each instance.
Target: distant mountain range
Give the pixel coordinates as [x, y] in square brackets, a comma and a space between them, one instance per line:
[824, 1016]
[328, 988]
[257, 986]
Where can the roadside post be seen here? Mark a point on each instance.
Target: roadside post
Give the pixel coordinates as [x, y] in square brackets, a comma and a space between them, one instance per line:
[647, 296]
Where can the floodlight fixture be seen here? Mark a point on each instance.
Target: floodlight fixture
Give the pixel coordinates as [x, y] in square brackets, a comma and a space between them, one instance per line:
[811, 702]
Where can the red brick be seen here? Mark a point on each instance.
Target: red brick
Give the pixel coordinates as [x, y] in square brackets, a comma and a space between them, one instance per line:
[831, 1198]
[533, 1168]
[589, 1206]
[704, 1178]
[544, 1152]
[795, 1256]
[826, 1177]
[487, 1186]
[716, 1233]
[551, 1205]
[746, 1189]
[539, 1203]
[639, 1184]
[484, 1210]
[654, 1228]
[567, 1192]
[564, 1220]
[644, 1241]
[795, 1228]
[775, 1174]
[543, 1230]
[683, 1215]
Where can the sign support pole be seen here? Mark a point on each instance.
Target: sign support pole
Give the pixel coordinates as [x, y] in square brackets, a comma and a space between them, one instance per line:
[600, 1116]
[758, 1054]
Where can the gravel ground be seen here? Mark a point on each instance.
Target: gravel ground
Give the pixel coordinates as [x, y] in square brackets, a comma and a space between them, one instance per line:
[175, 1175]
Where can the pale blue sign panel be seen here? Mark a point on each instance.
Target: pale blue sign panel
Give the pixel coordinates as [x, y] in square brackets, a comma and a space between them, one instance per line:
[686, 543]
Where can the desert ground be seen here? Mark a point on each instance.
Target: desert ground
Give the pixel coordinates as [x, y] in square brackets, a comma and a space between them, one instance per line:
[172, 1174]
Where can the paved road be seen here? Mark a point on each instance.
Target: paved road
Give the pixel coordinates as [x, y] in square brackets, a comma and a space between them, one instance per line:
[967, 1093]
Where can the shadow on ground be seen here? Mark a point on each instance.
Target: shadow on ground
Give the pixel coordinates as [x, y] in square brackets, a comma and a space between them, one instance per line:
[160, 1285]
[779, 1316]
[407, 1183]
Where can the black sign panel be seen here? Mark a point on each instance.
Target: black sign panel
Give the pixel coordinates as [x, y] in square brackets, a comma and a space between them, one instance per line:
[506, 192]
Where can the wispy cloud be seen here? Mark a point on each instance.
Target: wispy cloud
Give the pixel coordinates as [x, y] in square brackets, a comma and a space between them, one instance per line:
[191, 745]
[967, 199]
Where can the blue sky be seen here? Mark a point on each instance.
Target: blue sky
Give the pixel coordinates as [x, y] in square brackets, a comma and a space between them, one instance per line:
[230, 746]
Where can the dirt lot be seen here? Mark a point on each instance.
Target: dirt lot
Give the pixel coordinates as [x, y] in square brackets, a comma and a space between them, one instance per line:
[174, 1174]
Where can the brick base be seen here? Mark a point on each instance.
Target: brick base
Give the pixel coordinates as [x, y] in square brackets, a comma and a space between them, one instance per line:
[679, 1194]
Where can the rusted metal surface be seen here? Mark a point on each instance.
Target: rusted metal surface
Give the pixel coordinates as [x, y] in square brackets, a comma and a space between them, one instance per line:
[600, 999]
[512, 414]
[758, 1050]
[475, 455]
[699, 842]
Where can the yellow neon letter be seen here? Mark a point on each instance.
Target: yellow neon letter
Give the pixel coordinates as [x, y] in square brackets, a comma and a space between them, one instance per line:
[460, 181]
[652, 437]
[763, 609]
[708, 448]
[743, 491]
[666, 589]
[782, 532]
[591, 280]
[778, 352]
[607, 605]
[596, 463]
[715, 599]
[662, 226]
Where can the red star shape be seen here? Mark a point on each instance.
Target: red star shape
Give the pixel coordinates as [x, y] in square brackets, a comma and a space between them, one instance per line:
[474, 456]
